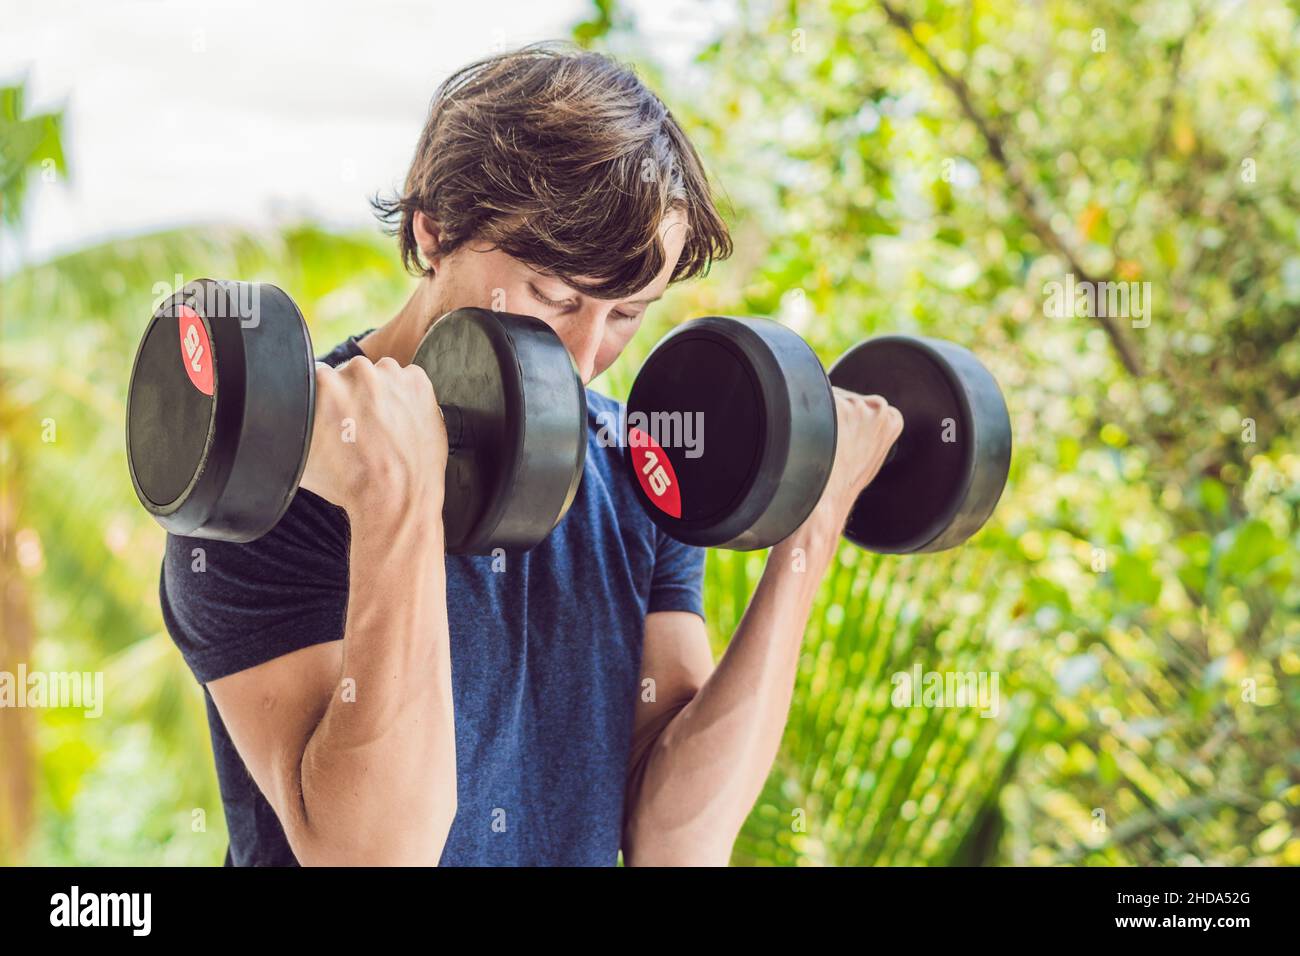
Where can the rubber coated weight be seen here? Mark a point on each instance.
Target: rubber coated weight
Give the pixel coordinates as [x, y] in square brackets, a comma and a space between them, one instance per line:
[222, 395]
[522, 424]
[950, 464]
[730, 432]
[771, 434]
[219, 409]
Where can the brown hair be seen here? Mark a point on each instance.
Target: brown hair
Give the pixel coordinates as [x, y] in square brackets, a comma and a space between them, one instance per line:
[564, 160]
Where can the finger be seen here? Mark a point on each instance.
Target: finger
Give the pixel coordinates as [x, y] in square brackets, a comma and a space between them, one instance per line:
[895, 419]
[357, 365]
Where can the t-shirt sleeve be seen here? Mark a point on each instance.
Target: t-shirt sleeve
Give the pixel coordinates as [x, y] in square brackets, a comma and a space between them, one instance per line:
[229, 607]
[678, 581]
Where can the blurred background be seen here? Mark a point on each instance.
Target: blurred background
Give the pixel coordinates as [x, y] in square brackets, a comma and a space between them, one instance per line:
[926, 166]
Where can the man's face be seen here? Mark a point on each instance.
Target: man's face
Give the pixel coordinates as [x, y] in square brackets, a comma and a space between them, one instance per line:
[594, 331]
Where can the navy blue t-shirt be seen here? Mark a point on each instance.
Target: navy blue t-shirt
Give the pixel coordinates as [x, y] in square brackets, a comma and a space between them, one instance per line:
[545, 658]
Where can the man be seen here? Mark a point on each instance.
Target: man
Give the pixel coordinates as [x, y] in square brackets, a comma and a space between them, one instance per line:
[373, 700]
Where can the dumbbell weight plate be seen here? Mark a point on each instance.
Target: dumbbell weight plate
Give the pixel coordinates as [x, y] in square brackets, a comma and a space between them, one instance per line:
[523, 427]
[204, 456]
[953, 456]
[761, 432]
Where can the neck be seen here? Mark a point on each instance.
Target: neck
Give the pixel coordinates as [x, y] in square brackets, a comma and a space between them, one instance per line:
[399, 337]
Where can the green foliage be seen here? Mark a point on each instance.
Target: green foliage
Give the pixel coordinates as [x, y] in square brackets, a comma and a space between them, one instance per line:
[605, 17]
[27, 143]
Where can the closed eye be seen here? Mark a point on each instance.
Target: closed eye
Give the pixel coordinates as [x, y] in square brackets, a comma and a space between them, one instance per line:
[552, 303]
[568, 304]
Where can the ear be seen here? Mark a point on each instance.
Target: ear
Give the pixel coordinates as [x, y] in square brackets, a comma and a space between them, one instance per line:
[426, 239]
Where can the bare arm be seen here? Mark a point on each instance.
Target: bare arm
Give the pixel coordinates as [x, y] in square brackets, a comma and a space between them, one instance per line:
[353, 742]
[699, 762]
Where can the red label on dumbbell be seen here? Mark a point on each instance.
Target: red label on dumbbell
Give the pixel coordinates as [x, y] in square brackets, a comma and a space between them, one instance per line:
[196, 353]
[655, 472]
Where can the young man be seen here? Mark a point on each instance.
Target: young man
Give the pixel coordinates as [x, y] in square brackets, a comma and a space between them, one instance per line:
[373, 700]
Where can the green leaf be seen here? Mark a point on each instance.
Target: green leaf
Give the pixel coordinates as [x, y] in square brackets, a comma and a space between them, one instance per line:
[1253, 544]
[1213, 496]
[1135, 580]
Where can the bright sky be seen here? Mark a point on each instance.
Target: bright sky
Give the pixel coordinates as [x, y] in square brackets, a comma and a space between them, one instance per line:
[184, 111]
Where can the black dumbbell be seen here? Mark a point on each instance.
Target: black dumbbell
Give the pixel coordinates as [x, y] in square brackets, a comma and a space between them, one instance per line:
[731, 433]
[222, 397]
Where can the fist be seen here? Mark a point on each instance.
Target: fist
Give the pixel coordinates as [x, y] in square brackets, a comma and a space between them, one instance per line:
[868, 428]
[378, 441]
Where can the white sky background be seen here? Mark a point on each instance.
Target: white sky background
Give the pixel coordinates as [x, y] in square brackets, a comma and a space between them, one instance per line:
[253, 112]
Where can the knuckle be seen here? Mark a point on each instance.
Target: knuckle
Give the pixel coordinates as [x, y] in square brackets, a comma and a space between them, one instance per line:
[358, 367]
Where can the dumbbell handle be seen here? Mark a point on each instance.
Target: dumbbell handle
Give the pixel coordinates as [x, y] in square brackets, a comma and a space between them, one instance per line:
[459, 435]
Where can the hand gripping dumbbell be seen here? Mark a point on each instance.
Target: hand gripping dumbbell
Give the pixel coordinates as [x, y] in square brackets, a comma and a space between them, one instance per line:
[222, 397]
[731, 433]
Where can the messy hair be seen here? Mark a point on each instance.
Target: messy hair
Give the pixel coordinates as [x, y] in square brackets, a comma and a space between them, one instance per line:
[565, 160]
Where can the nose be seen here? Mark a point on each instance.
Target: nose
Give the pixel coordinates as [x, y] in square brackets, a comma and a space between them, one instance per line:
[582, 335]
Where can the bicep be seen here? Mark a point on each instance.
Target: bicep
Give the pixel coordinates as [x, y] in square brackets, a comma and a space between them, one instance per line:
[271, 711]
[675, 663]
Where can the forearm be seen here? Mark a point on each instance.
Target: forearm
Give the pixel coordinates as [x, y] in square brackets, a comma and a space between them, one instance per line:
[707, 767]
[378, 775]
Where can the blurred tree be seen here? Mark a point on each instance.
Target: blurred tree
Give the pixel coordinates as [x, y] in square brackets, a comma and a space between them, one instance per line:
[26, 145]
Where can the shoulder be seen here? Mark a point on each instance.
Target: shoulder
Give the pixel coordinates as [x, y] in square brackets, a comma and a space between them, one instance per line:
[229, 605]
